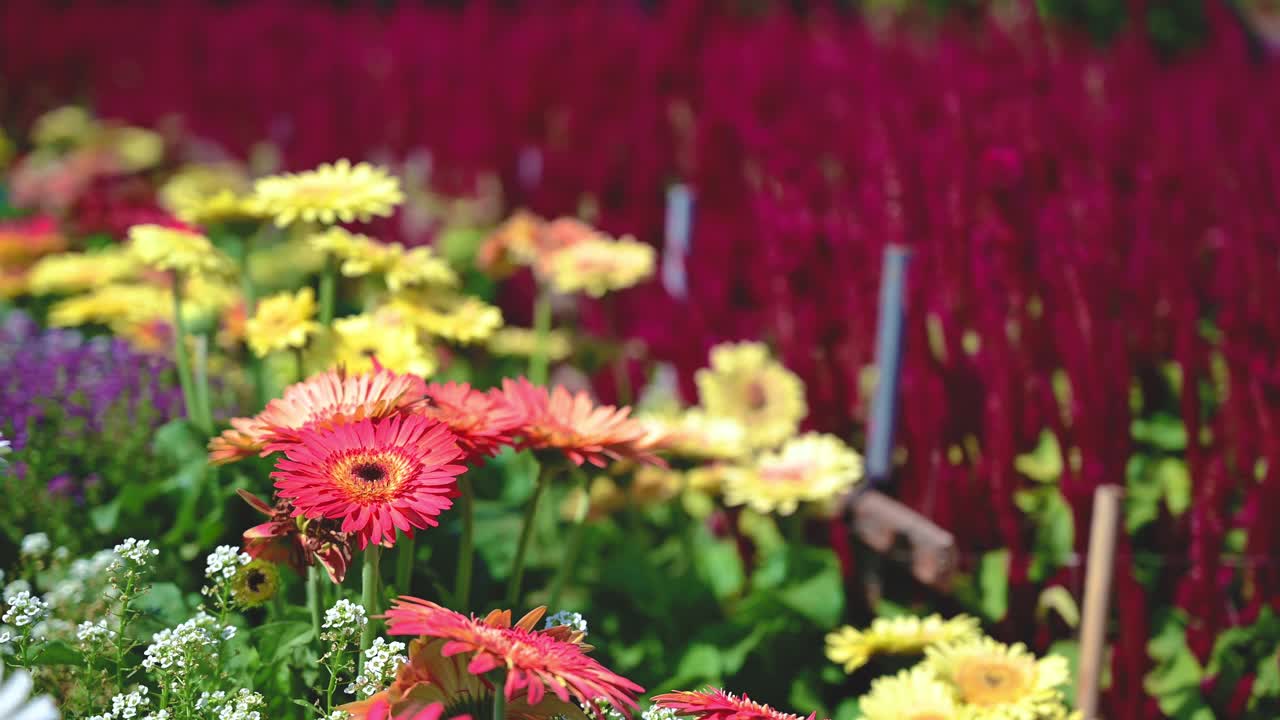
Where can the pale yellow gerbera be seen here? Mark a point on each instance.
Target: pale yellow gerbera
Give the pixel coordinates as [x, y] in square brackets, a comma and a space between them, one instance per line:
[906, 635]
[208, 295]
[652, 485]
[359, 254]
[995, 681]
[67, 273]
[598, 266]
[457, 318]
[108, 304]
[359, 339]
[208, 194]
[910, 695]
[418, 268]
[135, 149]
[695, 434]
[186, 251]
[745, 383]
[68, 125]
[282, 321]
[522, 342]
[338, 192]
[811, 468]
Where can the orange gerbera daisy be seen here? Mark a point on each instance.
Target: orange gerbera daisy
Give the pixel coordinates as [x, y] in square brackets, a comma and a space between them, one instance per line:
[322, 400]
[535, 661]
[716, 704]
[378, 476]
[297, 541]
[432, 678]
[482, 421]
[574, 425]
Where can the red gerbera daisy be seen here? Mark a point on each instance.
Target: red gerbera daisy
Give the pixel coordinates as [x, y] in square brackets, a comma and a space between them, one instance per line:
[483, 421]
[296, 541]
[322, 400]
[534, 660]
[574, 425]
[376, 475]
[716, 704]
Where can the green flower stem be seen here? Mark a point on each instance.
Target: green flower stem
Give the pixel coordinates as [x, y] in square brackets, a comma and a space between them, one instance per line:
[569, 560]
[200, 379]
[125, 596]
[542, 337]
[246, 277]
[328, 289]
[404, 564]
[333, 665]
[369, 591]
[180, 352]
[313, 599]
[466, 551]
[526, 532]
[299, 365]
[500, 696]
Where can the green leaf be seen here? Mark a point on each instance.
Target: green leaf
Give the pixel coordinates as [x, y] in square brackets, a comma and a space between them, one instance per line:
[179, 441]
[1267, 681]
[700, 663]
[848, 709]
[719, 564]
[1069, 649]
[1174, 478]
[1162, 431]
[104, 516]
[1055, 535]
[819, 597]
[993, 584]
[1044, 464]
[164, 603]
[275, 640]
[1061, 601]
[58, 653]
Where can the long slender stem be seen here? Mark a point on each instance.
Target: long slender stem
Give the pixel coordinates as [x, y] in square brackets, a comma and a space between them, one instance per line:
[299, 364]
[328, 290]
[246, 277]
[466, 552]
[542, 336]
[500, 697]
[369, 591]
[180, 352]
[404, 564]
[526, 532]
[313, 599]
[569, 559]
[200, 379]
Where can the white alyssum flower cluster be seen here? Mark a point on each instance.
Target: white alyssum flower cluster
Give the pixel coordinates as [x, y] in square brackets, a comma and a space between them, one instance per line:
[654, 712]
[338, 715]
[193, 642]
[344, 621]
[222, 563]
[606, 710]
[126, 705]
[381, 661]
[567, 618]
[132, 554]
[24, 609]
[90, 632]
[242, 705]
[34, 545]
[15, 588]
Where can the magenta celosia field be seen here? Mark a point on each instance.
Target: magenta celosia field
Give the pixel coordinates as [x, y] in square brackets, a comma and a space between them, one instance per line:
[517, 360]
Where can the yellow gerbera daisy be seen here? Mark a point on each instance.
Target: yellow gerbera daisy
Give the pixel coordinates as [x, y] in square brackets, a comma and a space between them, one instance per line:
[362, 338]
[695, 434]
[135, 149]
[282, 321]
[66, 273]
[69, 125]
[910, 695]
[187, 251]
[522, 342]
[745, 383]
[811, 468]
[457, 318]
[205, 295]
[338, 192]
[359, 254]
[419, 267]
[1000, 682]
[907, 635]
[598, 266]
[109, 304]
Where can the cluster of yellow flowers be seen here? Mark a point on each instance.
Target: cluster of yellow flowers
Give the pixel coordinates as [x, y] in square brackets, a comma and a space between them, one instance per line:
[964, 674]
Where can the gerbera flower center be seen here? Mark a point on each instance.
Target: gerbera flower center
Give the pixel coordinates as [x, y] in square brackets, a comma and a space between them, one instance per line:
[370, 472]
[988, 682]
[255, 580]
[755, 396]
[792, 472]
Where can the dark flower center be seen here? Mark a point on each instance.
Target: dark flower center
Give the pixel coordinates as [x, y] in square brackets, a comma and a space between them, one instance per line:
[756, 398]
[370, 472]
[256, 579]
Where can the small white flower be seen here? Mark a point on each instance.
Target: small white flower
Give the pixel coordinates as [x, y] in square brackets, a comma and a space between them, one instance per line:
[338, 715]
[567, 618]
[127, 705]
[607, 710]
[15, 588]
[25, 609]
[132, 554]
[345, 615]
[241, 706]
[222, 563]
[34, 545]
[16, 700]
[653, 712]
[381, 661]
[179, 649]
[89, 632]
[61, 553]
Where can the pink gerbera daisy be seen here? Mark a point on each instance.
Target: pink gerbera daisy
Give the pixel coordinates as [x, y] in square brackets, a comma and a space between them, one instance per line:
[716, 704]
[535, 661]
[574, 425]
[376, 475]
[483, 421]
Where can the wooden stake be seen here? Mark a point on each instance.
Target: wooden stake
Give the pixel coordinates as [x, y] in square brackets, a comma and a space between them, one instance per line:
[1099, 565]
